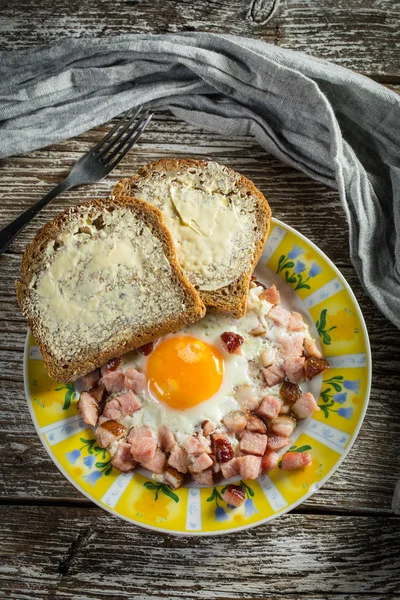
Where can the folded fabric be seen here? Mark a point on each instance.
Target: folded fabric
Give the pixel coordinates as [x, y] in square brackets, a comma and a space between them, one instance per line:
[338, 127]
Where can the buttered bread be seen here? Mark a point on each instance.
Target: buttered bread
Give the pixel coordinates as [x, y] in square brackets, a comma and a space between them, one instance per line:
[218, 219]
[100, 280]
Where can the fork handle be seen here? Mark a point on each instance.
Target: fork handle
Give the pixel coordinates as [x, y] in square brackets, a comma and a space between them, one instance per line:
[15, 227]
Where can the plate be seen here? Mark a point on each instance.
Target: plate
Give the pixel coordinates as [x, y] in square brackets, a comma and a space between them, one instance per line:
[309, 281]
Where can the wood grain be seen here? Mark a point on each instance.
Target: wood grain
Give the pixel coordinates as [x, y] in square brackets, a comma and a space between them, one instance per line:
[360, 34]
[102, 557]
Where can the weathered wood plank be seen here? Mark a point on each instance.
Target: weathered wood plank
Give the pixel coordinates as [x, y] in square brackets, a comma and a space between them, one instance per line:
[360, 34]
[82, 553]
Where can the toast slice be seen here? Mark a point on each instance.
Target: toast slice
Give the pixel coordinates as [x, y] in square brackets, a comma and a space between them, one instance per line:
[218, 220]
[100, 280]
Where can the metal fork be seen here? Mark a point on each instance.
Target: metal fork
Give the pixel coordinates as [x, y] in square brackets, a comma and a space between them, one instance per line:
[91, 167]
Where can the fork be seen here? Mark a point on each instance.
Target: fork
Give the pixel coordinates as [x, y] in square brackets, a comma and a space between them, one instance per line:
[91, 167]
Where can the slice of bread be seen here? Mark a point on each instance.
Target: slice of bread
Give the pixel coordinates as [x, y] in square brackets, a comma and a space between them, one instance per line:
[100, 280]
[218, 219]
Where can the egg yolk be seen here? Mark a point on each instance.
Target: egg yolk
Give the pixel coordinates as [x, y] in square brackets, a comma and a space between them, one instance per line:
[184, 371]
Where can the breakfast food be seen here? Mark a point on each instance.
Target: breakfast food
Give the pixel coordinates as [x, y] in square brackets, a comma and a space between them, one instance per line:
[219, 222]
[100, 280]
[218, 399]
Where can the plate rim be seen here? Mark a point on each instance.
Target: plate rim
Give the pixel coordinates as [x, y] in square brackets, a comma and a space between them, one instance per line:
[278, 514]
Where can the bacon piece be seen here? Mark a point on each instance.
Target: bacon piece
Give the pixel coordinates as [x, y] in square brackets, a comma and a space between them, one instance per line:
[269, 461]
[146, 349]
[274, 375]
[207, 427]
[291, 461]
[311, 348]
[305, 406]
[199, 462]
[141, 431]
[129, 403]
[235, 422]
[232, 342]
[291, 344]
[204, 477]
[255, 425]
[166, 438]
[269, 408]
[157, 463]
[314, 366]
[294, 367]
[123, 459]
[222, 448]
[197, 444]
[276, 442]
[285, 409]
[245, 395]
[230, 469]
[143, 443]
[249, 466]
[112, 410]
[268, 357]
[88, 408]
[134, 380]
[113, 364]
[283, 426]
[171, 477]
[109, 432]
[113, 380]
[289, 392]
[253, 443]
[178, 459]
[271, 295]
[88, 381]
[296, 322]
[98, 392]
[234, 495]
[279, 315]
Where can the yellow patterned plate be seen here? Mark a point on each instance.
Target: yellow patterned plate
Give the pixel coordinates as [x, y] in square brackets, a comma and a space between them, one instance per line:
[314, 285]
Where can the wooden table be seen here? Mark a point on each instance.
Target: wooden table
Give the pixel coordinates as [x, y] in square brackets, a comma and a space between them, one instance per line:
[344, 542]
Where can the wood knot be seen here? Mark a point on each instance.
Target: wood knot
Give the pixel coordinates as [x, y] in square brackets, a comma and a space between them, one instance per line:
[261, 11]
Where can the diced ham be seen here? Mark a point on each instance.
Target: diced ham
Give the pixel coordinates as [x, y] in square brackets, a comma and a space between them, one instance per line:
[296, 460]
[141, 431]
[230, 469]
[88, 408]
[291, 344]
[166, 438]
[112, 410]
[253, 443]
[296, 322]
[197, 444]
[268, 357]
[123, 459]
[143, 443]
[283, 426]
[294, 367]
[276, 442]
[113, 380]
[311, 348]
[232, 342]
[199, 462]
[269, 461]
[204, 477]
[109, 432]
[289, 392]
[178, 459]
[157, 463]
[234, 495]
[274, 375]
[208, 427]
[279, 315]
[249, 466]
[235, 422]
[271, 295]
[269, 408]
[314, 366]
[222, 448]
[305, 406]
[129, 403]
[171, 477]
[245, 395]
[98, 392]
[134, 380]
[255, 425]
[88, 381]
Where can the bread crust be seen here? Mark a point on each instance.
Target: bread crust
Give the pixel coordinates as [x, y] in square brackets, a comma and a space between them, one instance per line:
[49, 232]
[232, 298]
